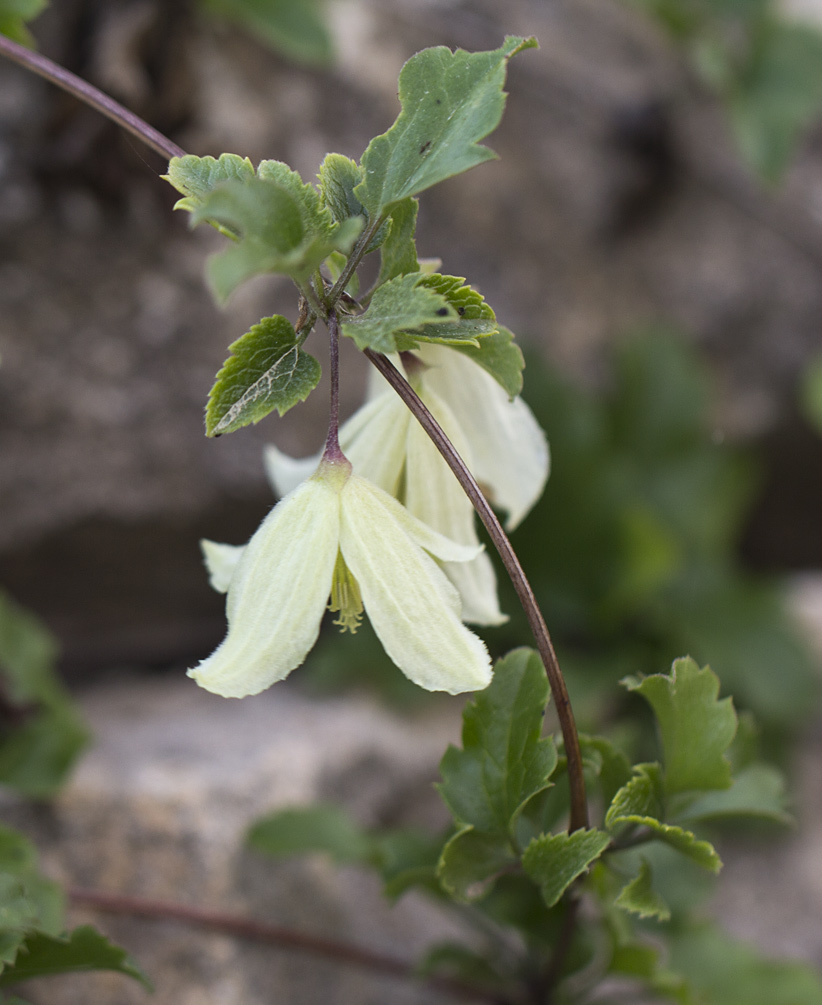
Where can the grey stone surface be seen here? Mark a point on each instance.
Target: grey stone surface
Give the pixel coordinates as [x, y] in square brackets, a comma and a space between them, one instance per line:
[158, 809]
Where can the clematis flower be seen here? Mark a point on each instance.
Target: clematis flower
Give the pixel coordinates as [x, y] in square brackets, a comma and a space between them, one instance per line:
[338, 535]
[499, 439]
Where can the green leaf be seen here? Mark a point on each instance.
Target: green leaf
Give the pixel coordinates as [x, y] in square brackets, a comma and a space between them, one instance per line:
[398, 254]
[43, 735]
[18, 863]
[295, 28]
[267, 370]
[499, 356]
[83, 949]
[725, 972]
[554, 861]
[504, 761]
[13, 17]
[396, 309]
[696, 727]
[304, 830]
[639, 804]
[475, 318]
[197, 177]
[757, 791]
[470, 860]
[450, 101]
[278, 223]
[777, 95]
[339, 176]
[640, 897]
[810, 396]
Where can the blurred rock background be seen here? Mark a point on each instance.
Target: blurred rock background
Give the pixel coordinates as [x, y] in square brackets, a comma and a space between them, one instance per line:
[618, 199]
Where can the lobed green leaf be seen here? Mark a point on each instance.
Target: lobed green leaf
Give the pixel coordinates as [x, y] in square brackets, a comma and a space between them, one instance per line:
[450, 101]
[475, 318]
[471, 860]
[640, 897]
[695, 726]
[85, 948]
[554, 861]
[278, 223]
[504, 760]
[397, 308]
[499, 356]
[640, 804]
[267, 370]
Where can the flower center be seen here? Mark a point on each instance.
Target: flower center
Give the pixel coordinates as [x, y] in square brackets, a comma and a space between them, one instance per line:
[345, 597]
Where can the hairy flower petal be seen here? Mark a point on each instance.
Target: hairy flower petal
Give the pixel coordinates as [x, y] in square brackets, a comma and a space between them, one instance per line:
[409, 601]
[221, 560]
[510, 456]
[278, 594]
[434, 495]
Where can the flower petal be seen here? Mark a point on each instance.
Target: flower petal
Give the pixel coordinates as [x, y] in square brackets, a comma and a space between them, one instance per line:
[373, 439]
[221, 560]
[278, 594]
[407, 597]
[433, 494]
[509, 451]
[285, 473]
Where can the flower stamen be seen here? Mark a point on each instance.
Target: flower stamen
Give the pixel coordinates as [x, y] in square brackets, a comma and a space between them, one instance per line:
[345, 597]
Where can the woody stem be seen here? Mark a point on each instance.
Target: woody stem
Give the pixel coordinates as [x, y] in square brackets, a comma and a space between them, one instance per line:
[89, 94]
[332, 442]
[576, 780]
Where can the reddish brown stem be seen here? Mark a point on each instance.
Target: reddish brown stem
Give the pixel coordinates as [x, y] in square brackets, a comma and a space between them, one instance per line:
[91, 96]
[576, 780]
[271, 935]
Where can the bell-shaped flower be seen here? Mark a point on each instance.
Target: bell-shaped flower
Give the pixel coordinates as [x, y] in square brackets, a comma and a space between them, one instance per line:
[499, 439]
[338, 536]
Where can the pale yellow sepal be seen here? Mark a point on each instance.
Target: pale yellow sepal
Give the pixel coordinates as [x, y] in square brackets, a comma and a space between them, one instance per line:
[281, 585]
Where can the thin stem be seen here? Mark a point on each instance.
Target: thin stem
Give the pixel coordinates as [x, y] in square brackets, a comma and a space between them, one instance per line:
[89, 94]
[332, 443]
[272, 935]
[576, 780]
[354, 260]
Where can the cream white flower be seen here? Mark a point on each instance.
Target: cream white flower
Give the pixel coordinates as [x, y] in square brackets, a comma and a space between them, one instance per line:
[499, 439]
[338, 535]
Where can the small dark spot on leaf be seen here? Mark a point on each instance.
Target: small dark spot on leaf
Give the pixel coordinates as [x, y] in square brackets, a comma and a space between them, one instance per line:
[438, 101]
[442, 312]
[460, 311]
[425, 146]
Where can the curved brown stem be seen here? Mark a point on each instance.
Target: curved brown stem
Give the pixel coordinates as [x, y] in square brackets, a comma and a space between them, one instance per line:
[576, 780]
[272, 935]
[89, 94]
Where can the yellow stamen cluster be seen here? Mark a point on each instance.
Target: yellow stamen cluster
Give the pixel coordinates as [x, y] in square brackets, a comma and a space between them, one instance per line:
[345, 597]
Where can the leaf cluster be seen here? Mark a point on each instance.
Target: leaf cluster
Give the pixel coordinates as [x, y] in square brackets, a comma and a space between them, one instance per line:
[509, 861]
[14, 15]
[766, 68]
[278, 224]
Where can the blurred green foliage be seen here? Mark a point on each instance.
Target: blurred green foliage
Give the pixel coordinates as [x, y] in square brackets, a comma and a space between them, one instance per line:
[766, 69]
[41, 733]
